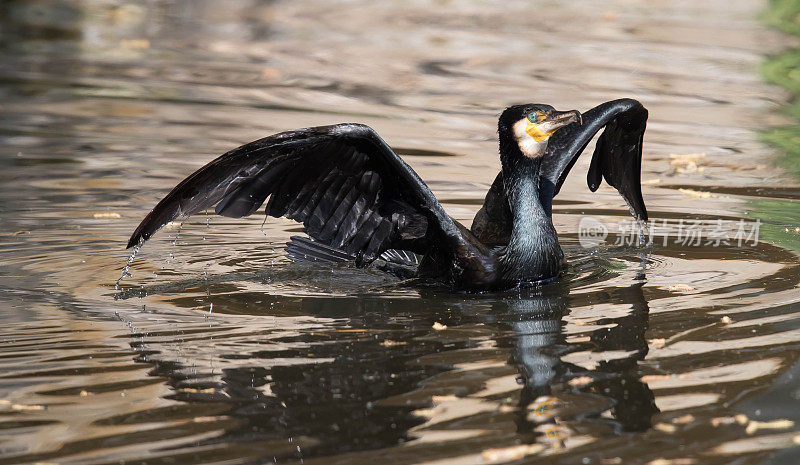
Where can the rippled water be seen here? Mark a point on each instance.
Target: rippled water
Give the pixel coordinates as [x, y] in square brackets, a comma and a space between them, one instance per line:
[217, 349]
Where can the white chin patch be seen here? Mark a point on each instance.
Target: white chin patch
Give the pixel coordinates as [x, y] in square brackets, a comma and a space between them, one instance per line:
[527, 144]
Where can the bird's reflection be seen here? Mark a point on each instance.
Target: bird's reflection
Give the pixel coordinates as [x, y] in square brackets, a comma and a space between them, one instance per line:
[329, 388]
[540, 344]
[634, 404]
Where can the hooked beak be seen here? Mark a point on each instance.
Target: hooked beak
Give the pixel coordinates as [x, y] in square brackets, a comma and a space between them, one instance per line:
[563, 118]
[554, 121]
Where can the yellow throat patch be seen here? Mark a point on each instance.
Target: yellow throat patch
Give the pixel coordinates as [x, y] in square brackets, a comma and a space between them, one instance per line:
[537, 134]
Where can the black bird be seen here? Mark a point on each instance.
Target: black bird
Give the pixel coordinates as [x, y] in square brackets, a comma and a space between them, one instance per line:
[360, 202]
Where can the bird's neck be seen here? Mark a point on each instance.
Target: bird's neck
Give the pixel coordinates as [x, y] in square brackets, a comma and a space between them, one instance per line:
[533, 253]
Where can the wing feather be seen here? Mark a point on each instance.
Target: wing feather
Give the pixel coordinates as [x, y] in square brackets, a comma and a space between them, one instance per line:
[617, 157]
[347, 187]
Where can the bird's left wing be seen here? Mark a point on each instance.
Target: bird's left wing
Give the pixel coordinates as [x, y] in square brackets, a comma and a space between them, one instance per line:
[343, 182]
[617, 156]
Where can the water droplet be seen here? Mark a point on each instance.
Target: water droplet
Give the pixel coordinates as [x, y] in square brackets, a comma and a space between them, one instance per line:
[126, 273]
[177, 234]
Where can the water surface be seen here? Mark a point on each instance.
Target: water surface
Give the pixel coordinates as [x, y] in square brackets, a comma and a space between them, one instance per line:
[217, 350]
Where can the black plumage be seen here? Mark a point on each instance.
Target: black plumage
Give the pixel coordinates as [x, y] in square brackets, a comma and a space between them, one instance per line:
[617, 158]
[357, 199]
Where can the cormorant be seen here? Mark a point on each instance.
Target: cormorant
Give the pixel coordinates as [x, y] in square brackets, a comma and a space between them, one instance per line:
[360, 202]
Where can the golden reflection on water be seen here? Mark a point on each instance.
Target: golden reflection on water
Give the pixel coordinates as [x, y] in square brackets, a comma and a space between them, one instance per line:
[218, 350]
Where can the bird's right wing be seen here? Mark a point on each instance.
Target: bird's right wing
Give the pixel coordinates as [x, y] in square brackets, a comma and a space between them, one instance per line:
[345, 185]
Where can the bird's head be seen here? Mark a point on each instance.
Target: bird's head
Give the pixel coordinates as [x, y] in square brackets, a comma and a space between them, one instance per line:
[531, 125]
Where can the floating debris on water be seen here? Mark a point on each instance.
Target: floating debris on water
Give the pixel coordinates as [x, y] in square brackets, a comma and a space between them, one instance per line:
[665, 428]
[424, 412]
[697, 194]
[391, 343]
[755, 426]
[24, 407]
[580, 381]
[651, 378]
[198, 391]
[740, 419]
[135, 44]
[680, 288]
[507, 454]
[680, 461]
[686, 163]
[611, 461]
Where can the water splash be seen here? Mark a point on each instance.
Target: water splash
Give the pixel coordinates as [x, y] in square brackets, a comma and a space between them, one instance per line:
[641, 229]
[177, 234]
[208, 290]
[126, 270]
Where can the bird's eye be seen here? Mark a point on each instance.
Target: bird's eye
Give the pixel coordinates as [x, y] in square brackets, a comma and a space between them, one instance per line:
[533, 116]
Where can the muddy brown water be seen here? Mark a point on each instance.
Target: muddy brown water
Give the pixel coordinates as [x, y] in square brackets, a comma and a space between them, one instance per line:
[217, 350]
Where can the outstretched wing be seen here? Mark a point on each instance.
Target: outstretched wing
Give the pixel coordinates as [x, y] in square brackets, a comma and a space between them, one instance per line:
[343, 182]
[617, 159]
[617, 156]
